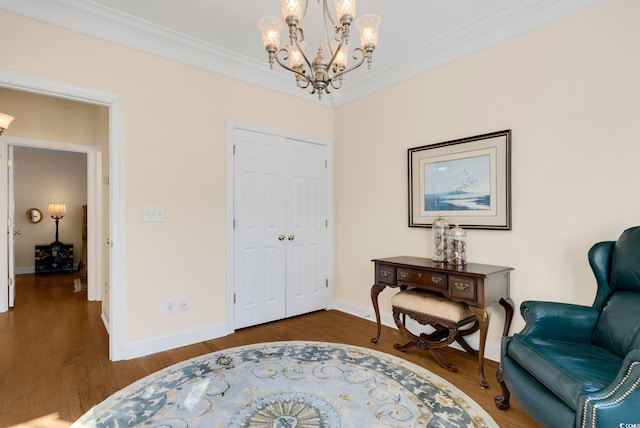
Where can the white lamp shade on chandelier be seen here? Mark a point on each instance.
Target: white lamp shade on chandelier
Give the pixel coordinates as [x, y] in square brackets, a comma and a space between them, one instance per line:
[5, 120]
[323, 72]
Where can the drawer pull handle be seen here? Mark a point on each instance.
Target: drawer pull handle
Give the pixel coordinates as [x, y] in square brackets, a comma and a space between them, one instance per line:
[404, 274]
[461, 286]
[436, 279]
[385, 273]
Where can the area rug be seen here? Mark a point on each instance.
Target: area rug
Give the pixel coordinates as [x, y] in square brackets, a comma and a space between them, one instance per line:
[290, 385]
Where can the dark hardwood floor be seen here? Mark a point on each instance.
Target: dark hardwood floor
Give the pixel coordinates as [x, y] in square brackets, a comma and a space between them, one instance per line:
[54, 354]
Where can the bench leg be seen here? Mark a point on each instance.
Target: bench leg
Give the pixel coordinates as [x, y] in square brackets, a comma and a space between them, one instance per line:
[443, 361]
[441, 337]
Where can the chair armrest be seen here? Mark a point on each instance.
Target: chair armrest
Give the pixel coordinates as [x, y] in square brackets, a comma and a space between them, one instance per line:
[618, 404]
[559, 321]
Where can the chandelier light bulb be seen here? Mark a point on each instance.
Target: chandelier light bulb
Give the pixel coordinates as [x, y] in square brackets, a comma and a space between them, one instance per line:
[342, 57]
[368, 26]
[296, 59]
[291, 9]
[344, 9]
[5, 120]
[270, 27]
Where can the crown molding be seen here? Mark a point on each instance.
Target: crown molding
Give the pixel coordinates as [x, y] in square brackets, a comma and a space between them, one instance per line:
[87, 17]
[96, 20]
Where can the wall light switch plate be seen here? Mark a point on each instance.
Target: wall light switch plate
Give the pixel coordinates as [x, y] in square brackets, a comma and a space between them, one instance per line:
[152, 214]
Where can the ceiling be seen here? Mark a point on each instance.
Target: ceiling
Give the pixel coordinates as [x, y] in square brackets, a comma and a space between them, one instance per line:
[221, 35]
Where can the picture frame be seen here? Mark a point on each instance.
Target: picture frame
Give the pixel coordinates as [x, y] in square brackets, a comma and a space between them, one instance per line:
[467, 181]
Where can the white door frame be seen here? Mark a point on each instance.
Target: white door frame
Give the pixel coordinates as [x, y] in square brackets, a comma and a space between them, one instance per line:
[43, 86]
[233, 124]
[94, 200]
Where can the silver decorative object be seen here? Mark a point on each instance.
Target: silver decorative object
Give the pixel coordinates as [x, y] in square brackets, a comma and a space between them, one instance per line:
[440, 229]
[457, 246]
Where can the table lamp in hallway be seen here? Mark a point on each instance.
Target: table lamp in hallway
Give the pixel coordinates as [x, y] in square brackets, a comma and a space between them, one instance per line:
[57, 211]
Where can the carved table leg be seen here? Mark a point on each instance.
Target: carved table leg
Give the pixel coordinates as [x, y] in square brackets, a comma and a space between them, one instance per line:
[483, 320]
[508, 309]
[375, 291]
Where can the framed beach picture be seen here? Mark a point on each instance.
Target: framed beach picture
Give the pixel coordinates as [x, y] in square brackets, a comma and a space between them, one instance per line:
[467, 181]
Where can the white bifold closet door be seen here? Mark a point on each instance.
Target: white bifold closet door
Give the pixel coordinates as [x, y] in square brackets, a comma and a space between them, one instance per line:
[280, 232]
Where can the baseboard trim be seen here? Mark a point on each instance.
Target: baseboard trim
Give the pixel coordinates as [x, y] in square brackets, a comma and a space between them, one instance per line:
[491, 351]
[105, 321]
[25, 270]
[172, 341]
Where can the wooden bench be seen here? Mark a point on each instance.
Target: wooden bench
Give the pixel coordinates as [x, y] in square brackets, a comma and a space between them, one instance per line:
[444, 315]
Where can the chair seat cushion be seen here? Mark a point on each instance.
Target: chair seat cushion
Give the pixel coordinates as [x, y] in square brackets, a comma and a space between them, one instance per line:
[434, 304]
[567, 369]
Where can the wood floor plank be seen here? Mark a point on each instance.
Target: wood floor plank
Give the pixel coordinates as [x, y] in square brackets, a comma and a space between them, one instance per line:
[54, 354]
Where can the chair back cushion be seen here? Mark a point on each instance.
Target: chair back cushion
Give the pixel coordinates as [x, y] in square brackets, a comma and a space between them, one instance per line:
[625, 263]
[618, 328]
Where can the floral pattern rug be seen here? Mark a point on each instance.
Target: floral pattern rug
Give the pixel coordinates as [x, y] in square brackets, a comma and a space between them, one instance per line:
[290, 385]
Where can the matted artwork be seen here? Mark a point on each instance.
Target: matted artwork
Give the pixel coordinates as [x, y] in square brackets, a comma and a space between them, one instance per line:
[467, 181]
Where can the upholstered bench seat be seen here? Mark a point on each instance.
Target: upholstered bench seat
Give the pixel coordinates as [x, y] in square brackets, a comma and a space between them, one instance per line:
[435, 304]
[444, 315]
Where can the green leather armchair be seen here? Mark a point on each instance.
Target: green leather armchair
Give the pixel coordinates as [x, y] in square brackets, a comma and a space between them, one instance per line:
[579, 366]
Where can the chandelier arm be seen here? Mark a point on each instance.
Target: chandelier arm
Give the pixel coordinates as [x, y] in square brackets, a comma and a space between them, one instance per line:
[298, 36]
[286, 67]
[328, 19]
[304, 13]
[327, 13]
[353, 67]
[312, 74]
[335, 54]
[334, 85]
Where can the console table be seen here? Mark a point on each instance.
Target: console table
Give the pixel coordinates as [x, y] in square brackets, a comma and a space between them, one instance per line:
[476, 284]
[54, 258]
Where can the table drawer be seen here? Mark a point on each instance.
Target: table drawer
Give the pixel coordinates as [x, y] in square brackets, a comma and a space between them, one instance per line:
[430, 280]
[385, 274]
[463, 288]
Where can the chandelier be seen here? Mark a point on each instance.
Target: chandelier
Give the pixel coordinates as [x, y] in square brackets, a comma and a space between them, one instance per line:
[323, 72]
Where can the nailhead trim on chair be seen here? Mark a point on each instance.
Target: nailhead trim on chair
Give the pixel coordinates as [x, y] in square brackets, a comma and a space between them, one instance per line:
[618, 400]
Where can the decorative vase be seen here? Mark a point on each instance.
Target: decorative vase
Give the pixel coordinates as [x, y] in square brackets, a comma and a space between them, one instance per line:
[440, 229]
[457, 246]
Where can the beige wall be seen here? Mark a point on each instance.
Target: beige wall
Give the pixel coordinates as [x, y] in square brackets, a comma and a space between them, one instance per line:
[569, 91]
[54, 119]
[41, 177]
[178, 164]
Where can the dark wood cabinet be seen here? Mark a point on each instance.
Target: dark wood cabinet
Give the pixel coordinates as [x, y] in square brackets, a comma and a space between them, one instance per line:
[54, 258]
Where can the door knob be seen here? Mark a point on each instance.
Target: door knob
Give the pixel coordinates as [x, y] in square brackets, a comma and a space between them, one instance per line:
[292, 237]
[17, 232]
[280, 237]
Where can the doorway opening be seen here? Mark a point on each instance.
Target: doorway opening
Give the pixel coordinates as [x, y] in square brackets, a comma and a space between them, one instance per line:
[41, 244]
[113, 219]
